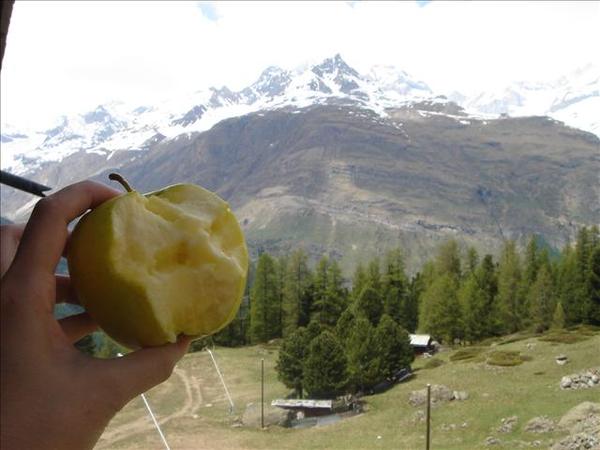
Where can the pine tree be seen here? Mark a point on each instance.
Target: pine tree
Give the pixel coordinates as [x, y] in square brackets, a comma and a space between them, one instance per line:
[475, 316]
[545, 260]
[541, 299]
[395, 290]
[531, 263]
[325, 372]
[478, 300]
[415, 290]
[472, 260]
[313, 330]
[320, 287]
[296, 292]
[321, 277]
[558, 318]
[568, 287]
[234, 334]
[359, 281]
[280, 274]
[330, 296]
[428, 275]
[374, 276]
[344, 325]
[336, 288]
[290, 362]
[594, 237]
[392, 347]
[593, 305]
[264, 302]
[447, 261]
[370, 305]
[583, 252]
[510, 301]
[487, 279]
[363, 360]
[440, 313]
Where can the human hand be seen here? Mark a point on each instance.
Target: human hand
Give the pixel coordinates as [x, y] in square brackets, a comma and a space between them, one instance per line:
[53, 396]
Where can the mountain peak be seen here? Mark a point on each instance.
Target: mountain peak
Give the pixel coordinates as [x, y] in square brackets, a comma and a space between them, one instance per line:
[100, 114]
[391, 78]
[272, 81]
[334, 65]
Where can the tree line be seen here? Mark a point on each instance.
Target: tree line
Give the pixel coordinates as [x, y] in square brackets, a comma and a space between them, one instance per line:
[457, 294]
[335, 333]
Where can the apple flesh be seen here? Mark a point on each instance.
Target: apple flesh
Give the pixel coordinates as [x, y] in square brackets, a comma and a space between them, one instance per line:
[148, 268]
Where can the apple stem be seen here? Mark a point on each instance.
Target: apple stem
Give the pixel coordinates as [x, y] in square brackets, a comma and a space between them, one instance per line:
[118, 178]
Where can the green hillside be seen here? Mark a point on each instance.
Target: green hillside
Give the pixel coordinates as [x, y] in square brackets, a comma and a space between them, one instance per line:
[193, 409]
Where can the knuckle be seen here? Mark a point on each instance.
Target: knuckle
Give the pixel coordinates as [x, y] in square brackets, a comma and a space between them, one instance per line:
[45, 206]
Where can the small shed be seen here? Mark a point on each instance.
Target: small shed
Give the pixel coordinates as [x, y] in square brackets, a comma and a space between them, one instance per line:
[309, 408]
[421, 343]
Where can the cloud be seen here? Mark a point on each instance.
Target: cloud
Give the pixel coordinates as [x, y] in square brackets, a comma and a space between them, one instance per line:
[209, 10]
[70, 56]
[423, 3]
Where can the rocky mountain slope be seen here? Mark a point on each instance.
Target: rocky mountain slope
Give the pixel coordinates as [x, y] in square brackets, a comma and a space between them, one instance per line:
[337, 162]
[341, 180]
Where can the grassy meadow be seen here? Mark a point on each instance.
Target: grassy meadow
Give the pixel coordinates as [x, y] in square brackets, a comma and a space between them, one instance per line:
[194, 412]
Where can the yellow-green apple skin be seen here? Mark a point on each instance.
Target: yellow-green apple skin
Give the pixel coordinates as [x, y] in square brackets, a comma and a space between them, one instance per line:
[148, 268]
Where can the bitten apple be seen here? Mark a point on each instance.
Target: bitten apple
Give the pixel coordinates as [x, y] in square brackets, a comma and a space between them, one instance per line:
[148, 268]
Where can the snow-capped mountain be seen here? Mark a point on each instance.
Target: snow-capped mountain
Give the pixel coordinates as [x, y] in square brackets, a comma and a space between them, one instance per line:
[572, 99]
[117, 126]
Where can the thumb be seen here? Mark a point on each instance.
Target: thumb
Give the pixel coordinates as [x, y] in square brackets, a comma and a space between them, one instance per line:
[143, 369]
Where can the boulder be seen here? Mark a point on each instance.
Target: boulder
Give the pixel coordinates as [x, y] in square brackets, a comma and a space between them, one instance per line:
[460, 395]
[491, 440]
[541, 424]
[584, 380]
[439, 393]
[565, 382]
[578, 441]
[583, 417]
[508, 424]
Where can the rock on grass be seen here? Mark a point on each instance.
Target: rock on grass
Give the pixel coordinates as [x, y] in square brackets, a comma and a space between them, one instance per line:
[541, 424]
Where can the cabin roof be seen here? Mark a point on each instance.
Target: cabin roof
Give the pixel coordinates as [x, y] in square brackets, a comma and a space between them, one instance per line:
[302, 403]
[420, 340]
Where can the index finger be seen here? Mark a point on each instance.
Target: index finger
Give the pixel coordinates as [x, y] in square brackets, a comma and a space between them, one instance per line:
[46, 232]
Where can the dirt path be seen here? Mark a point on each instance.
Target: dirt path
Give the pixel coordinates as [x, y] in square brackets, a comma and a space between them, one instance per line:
[193, 400]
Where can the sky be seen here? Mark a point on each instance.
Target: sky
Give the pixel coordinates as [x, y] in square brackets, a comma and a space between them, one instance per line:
[67, 57]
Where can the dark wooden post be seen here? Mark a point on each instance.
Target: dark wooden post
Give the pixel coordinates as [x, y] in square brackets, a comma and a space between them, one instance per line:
[262, 393]
[428, 438]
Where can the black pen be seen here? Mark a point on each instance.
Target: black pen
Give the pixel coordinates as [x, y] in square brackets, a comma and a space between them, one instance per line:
[23, 184]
